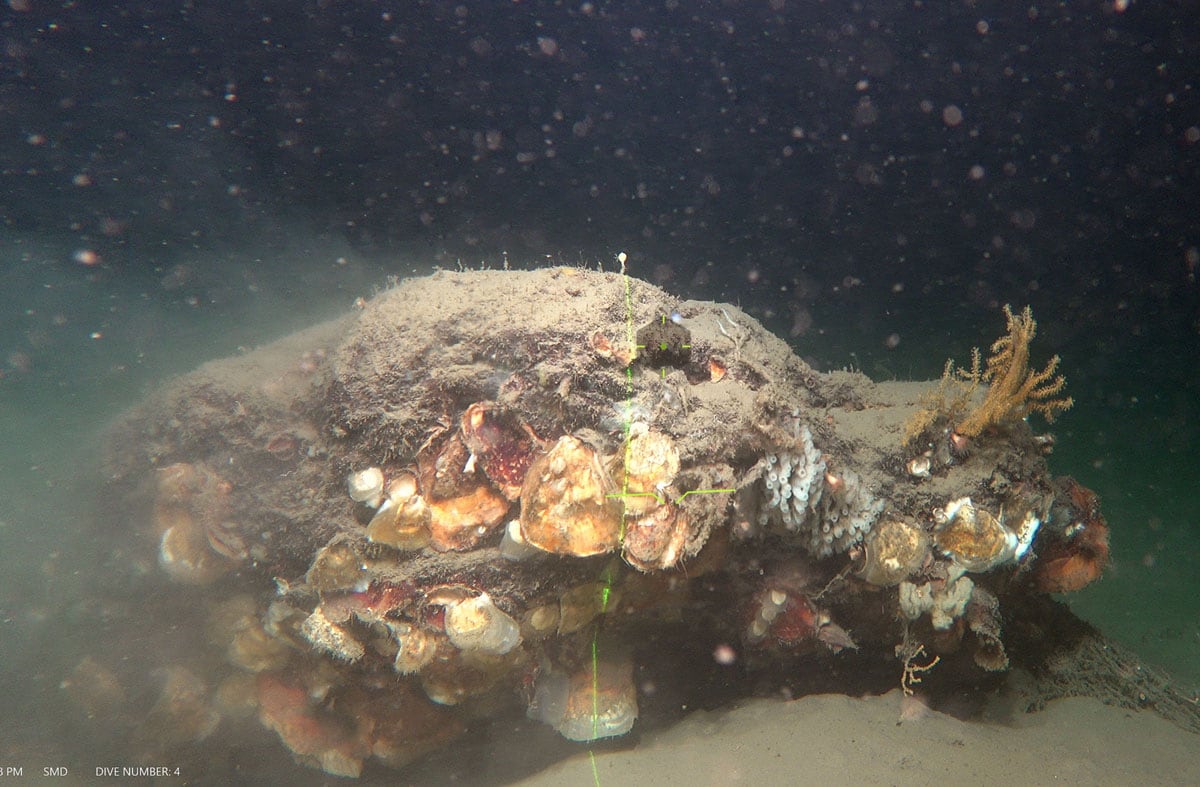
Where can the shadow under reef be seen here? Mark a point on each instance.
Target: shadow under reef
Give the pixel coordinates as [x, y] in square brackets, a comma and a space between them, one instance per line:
[1053, 654]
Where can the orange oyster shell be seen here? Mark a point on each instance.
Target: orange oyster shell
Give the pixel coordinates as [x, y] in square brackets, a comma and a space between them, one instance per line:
[463, 507]
[976, 539]
[399, 725]
[1068, 574]
[656, 540]
[623, 352]
[717, 370]
[315, 737]
[461, 522]
[566, 506]
[644, 470]
[599, 701]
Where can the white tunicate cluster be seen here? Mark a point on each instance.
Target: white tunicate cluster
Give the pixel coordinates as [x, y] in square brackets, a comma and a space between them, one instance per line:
[847, 515]
[794, 481]
[773, 603]
[832, 516]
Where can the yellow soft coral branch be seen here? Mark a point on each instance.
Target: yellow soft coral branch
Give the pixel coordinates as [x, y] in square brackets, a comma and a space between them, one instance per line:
[1014, 390]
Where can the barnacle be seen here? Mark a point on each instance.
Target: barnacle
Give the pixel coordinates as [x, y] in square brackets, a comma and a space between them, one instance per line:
[477, 624]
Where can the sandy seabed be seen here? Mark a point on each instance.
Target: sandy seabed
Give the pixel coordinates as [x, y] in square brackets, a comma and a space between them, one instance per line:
[834, 739]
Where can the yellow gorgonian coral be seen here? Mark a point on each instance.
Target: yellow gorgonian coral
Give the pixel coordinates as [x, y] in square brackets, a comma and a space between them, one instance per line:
[1014, 390]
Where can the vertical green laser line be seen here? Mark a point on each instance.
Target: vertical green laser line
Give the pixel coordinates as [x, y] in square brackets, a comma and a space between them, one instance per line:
[610, 572]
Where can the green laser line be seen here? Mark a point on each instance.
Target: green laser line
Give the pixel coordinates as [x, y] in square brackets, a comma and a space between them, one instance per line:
[609, 573]
[663, 501]
[611, 570]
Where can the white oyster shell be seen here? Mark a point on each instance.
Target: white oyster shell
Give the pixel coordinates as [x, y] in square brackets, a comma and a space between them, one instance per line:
[366, 486]
[478, 624]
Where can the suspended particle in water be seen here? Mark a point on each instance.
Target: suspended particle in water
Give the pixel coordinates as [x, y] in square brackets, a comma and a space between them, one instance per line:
[724, 654]
[87, 257]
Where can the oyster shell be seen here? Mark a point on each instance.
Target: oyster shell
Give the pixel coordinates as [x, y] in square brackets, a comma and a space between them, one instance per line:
[182, 714]
[401, 523]
[582, 604]
[656, 540]
[417, 648]
[478, 624]
[566, 506]
[463, 507]
[254, 650]
[588, 705]
[645, 469]
[894, 549]
[461, 522]
[196, 544]
[445, 469]
[540, 622]
[337, 567]
[184, 551]
[330, 638]
[366, 486]
[94, 688]
[972, 537]
[919, 466]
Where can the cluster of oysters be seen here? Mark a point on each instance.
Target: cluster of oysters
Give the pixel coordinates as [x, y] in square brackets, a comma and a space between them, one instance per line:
[473, 500]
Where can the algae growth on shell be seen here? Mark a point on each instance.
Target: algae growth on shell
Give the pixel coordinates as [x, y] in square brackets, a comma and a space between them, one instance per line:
[465, 498]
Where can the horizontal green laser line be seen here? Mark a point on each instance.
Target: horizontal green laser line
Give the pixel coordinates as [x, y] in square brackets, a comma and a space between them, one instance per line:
[663, 500]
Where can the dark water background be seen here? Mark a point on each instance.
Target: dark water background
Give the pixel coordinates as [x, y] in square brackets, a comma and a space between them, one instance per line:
[872, 180]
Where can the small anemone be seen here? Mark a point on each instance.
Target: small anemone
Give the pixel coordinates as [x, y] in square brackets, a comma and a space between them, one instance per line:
[625, 413]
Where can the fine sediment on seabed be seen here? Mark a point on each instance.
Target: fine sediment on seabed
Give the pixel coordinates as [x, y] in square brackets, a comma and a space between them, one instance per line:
[494, 494]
